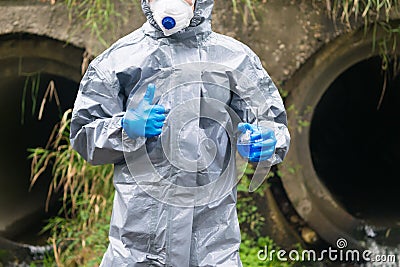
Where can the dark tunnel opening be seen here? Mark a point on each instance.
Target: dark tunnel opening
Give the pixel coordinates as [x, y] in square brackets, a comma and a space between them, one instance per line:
[354, 144]
[22, 212]
[23, 55]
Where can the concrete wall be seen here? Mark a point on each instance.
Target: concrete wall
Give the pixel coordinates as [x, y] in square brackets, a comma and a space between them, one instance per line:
[285, 35]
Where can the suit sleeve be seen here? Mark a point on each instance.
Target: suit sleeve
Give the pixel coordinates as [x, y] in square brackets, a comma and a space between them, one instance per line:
[274, 117]
[96, 131]
[260, 93]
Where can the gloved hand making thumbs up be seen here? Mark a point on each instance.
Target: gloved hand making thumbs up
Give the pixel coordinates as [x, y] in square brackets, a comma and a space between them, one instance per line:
[147, 119]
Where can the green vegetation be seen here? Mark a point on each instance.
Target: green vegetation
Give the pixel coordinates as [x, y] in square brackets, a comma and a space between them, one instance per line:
[368, 10]
[374, 14]
[250, 248]
[79, 235]
[251, 222]
[34, 81]
[243, 7]
[4, 256]
[98, 15]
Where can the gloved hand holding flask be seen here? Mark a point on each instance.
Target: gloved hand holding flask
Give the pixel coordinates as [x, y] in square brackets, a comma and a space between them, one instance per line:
[257, 143]
[146, 120]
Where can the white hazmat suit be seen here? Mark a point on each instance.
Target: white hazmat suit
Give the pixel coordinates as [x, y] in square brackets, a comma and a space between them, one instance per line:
[165, 212]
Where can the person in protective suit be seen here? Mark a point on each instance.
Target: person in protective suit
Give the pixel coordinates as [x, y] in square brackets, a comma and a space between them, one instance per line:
[164, 105]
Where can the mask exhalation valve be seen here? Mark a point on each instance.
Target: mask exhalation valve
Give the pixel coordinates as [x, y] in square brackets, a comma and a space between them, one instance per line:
[168, 23]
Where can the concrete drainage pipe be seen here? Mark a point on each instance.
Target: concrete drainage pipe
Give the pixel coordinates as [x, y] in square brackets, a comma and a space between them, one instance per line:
[22, 212]
[345, 162]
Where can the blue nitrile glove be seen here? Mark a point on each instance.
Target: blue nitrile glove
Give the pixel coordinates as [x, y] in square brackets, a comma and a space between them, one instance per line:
[262, 143]
[146, 120]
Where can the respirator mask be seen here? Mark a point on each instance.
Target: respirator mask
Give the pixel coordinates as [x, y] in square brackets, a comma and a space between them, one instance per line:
[171, 15]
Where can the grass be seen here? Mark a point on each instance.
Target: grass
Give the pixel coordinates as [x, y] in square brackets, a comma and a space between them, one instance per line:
[250, 248]
[34, 81]
[368, 10]
[374, 14]
[99, 16]
[251, 221]
[245, 6]
[79, 233]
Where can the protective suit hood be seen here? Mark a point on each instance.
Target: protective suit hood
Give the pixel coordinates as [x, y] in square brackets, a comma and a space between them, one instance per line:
[200, 23]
